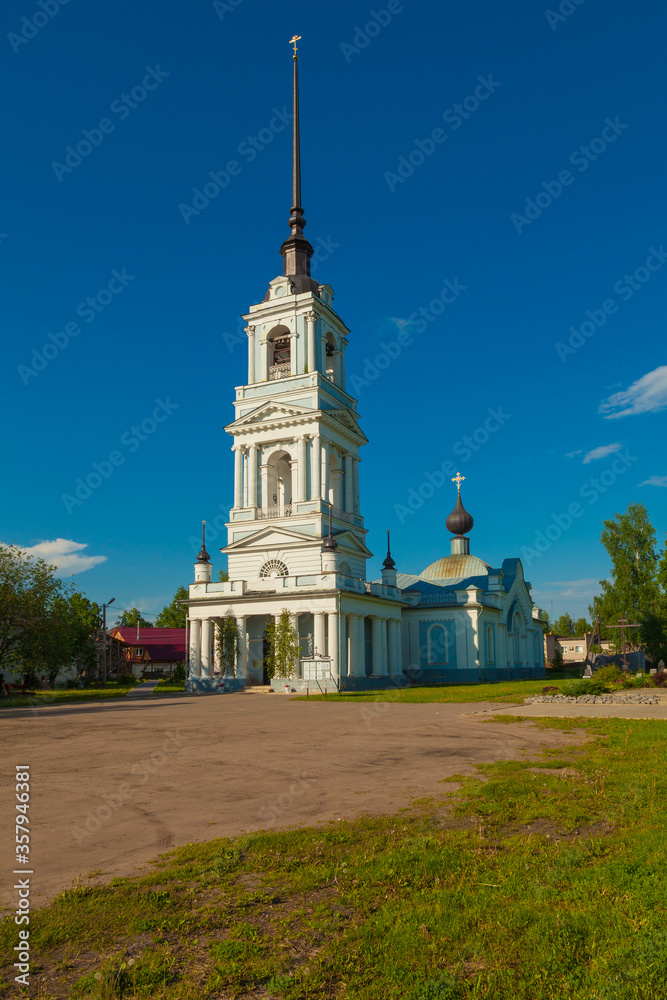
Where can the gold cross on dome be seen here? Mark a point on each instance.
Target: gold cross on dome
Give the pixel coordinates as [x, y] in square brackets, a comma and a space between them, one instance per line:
[458, 479]
[293, 41]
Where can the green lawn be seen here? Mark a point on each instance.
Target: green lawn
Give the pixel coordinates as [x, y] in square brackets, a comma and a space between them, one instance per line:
[540, 879]
[503, 691]
[69, 695]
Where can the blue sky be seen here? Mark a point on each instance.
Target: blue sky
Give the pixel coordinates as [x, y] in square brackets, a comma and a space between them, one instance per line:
[540, 199]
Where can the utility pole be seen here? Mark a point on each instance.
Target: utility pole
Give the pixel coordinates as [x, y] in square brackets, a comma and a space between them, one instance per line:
[104, 640]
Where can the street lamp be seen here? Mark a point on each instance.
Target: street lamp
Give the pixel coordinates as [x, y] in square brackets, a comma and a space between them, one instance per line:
[104, 639]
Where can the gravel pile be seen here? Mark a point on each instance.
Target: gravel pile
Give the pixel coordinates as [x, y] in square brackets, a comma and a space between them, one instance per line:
[594, 699]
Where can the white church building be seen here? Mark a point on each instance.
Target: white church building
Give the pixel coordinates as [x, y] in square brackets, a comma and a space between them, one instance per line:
[296, 535]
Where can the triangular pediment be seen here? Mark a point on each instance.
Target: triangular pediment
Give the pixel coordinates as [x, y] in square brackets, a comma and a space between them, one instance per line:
[270, 411]
[349, 540]
[272, 535]
[345, 418]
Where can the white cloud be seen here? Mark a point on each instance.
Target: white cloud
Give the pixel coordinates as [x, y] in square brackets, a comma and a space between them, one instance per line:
[65, 555]
[601, 452]
[573, 454]
[647, 395]
[571, 589]
[655, 481]
[400, 324]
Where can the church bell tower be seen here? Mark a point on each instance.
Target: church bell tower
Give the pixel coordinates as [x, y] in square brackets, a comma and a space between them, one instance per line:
[296, 435]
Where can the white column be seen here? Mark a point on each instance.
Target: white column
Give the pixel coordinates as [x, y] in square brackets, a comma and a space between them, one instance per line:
[318, 633]
[377, 646]
[252, 476]
[342, 652]
[265, 500]
[250, 330]
[385, 643]
[394, 646]
[294, 337]
[242, 657]
[264, 359]
[206, 647]
[294, 619]
[238, 475]
[349, 484]
[302, 459]
[324, 445]
[355, 476]
[359, 655]
[334, 651]
[316, 468]
[344, 343]
[195, 647]
[311, 360]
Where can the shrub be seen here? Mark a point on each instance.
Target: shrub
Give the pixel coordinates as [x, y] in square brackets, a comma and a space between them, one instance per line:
[659, 680]
[610, 675]
[179, 673]
[574, 689]
[549, 690]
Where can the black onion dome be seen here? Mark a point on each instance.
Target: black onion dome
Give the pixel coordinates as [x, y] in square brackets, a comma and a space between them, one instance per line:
[459, 522]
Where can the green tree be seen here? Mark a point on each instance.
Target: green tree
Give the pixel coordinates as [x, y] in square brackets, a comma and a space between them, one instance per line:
[544, 620]
[633, 589]
[133, 617]
[581, 627]
[284, 648]
[223, 576]
[173, 615]
[44, 623]
[227, 645]
[564, 625]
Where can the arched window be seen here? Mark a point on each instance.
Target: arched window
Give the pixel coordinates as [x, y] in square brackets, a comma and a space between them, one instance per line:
[490, 651]
[273, 569]
[437, 646]
[278, 501]
[280, 356]
[331, 358]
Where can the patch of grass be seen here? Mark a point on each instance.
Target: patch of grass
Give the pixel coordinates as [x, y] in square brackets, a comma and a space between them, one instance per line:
[501, 691]
[538, 879]
[42, 698]
[168, 685]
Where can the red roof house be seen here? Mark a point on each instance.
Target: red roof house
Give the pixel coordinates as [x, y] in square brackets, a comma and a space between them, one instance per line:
[152, 650]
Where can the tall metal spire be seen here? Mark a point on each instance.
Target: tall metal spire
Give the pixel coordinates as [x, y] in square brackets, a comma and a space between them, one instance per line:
[296, 251]
[389, 562]
[203, 555]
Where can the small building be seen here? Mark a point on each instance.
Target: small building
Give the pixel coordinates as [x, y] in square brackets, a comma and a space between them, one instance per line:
[573, 648]
[151, 651]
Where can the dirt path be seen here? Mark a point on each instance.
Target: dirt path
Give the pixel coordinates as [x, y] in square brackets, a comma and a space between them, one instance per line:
[115, 783]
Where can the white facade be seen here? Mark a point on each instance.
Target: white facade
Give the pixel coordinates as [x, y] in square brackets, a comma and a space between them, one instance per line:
[296, 442]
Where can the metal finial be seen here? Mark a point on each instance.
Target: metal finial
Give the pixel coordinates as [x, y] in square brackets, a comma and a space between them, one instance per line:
[330, 542]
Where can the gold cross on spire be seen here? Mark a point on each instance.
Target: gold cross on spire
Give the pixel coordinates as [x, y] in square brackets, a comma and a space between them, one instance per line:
[458, 479]
[293, 41]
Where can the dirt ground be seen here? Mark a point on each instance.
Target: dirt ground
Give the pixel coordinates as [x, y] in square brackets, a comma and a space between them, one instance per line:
[113, 784]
